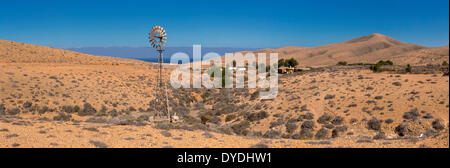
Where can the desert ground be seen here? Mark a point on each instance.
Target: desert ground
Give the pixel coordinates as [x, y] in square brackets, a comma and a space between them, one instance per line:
[52, 98]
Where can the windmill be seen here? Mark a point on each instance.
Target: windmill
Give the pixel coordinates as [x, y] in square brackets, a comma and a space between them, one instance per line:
[157, 39]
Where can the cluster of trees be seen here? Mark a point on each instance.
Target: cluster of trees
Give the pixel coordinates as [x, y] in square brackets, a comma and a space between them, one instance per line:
[281, 63]
[408, 68]
[388, 62]
[377, 66]
[287, 63]
[380, 63]
[342, 63]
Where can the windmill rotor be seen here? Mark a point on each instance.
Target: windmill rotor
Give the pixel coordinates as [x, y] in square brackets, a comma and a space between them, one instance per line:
[158, 37]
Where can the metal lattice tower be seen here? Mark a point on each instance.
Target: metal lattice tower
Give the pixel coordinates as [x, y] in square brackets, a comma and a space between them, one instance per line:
[157, 38]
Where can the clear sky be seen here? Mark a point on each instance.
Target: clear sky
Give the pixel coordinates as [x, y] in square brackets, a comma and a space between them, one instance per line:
[227, 23]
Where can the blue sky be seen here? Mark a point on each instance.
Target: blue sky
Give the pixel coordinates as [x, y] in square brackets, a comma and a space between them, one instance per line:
[230, 23]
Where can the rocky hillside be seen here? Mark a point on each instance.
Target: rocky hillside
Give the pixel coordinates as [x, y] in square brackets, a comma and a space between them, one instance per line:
[367, 49]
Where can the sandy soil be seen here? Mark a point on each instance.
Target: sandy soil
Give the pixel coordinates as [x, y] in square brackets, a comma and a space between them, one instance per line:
[32, 129]
[69, 135]
[106, 102]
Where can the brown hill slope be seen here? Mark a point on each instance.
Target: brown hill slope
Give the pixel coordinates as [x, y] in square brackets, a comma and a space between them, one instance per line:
[367, 49]
[16, 52]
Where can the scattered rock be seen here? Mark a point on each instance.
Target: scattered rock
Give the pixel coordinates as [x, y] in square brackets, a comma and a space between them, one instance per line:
[259, 145]
[378, 97]
[291, 127]
[364, 141]
[14, 111]
[62, 117]
[338, 131]
[319, 142]
[27, 104]
[98, 144]
[256, 116]
[11, 136]
[166, 133]
[328, 96]
[324, 119]
[272, 134]
[411, 115]
[401, 130]
[380, 135]
[374, 124]
[338, 120]
[304, 134]
[389, 121]
[87, 110]
[308, 116]
[2, 109]
[322, 134]
[397, 84]
[308, 125]
[437, 125]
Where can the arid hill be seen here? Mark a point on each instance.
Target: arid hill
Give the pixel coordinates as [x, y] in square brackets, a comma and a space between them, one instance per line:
[55, 98]
[16, 52]
[367, 49]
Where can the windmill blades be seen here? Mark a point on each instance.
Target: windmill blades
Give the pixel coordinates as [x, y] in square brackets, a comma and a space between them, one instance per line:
[157, 32]
[153, 42]
[151, 36]
[163, 33]
[155, 45]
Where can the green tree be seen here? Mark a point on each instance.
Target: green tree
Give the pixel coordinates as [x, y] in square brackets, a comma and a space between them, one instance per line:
[342, 63]
[375, 68]
[388, 62]
[292, 62]
[281, 63]
[408, 68]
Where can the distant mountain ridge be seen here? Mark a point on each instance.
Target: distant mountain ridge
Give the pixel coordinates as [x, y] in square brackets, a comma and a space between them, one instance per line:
[150, 54]
[367, 49]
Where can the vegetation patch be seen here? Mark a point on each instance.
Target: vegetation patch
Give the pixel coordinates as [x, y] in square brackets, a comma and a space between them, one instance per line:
[98, 144]
[374, 124]
[241, 128]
